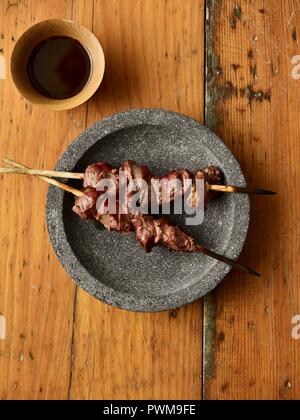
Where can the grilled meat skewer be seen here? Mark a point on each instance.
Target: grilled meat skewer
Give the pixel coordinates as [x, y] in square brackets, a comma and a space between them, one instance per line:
[99, 171]
[77, 193]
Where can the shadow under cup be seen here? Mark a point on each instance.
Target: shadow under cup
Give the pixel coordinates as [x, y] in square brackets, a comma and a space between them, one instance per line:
[43, 31]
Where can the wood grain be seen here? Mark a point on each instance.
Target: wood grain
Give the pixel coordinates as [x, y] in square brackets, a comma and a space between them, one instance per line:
[154, 58]
[253, 104]
[154, 51]
[36, 296]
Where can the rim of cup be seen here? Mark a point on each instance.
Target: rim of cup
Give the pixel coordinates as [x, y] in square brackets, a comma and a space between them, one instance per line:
[40, 32]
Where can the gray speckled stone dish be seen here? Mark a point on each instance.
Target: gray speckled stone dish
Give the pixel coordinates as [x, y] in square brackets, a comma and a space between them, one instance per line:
[113, 267]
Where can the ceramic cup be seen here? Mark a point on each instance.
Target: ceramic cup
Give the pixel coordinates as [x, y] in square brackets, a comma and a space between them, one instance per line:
[42, 31]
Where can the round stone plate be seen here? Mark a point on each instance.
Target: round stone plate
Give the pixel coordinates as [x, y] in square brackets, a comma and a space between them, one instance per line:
[113, 267]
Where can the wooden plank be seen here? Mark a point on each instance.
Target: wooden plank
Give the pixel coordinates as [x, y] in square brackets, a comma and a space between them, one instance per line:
[253, 104]
[154, 53]
[36, 296]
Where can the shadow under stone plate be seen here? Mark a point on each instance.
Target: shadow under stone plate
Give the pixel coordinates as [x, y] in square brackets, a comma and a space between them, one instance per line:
[113, 267]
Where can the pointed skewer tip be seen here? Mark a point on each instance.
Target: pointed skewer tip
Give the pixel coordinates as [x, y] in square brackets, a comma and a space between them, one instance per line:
[253, 272]
[264, 192]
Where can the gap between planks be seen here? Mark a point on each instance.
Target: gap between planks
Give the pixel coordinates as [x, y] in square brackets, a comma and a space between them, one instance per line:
[209, 308]
[72, 355]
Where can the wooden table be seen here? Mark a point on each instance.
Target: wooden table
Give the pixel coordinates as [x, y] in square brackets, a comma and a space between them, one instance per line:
[225, 63]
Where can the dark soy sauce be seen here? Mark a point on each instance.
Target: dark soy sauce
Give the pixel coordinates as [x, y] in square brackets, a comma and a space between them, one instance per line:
[59, 67]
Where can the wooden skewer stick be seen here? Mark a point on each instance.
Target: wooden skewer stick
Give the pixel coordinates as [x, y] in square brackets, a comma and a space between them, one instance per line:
[42, 172]
[232, 189]
[78, 193]
[44, 178]
[228, 261]
[73, 175]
